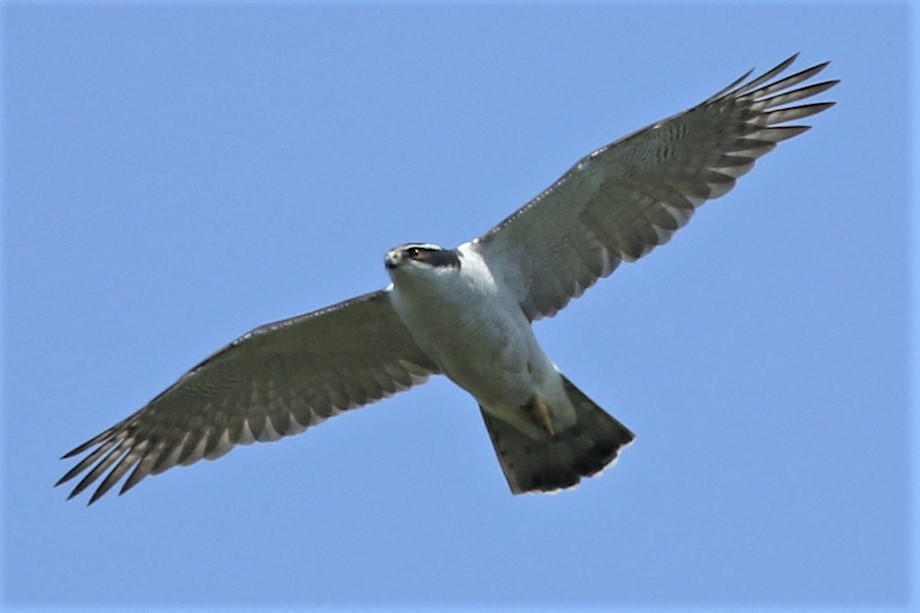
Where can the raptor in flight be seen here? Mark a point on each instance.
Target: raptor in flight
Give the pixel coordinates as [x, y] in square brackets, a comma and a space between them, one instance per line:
[466, 313]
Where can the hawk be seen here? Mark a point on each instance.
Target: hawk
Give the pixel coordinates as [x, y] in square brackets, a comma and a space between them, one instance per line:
[467, 312]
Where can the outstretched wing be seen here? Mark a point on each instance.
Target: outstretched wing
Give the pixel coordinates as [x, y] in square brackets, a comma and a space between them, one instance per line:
[274, 381]
[622, 200]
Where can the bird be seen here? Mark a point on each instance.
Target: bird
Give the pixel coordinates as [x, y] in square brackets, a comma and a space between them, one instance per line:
[467, 312]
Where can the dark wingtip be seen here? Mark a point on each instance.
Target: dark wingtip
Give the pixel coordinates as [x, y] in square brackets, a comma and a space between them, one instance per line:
[72, 453]
[88, 444]
[789, 61]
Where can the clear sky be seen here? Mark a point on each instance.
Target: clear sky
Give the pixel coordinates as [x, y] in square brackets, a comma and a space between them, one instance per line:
[177, 174]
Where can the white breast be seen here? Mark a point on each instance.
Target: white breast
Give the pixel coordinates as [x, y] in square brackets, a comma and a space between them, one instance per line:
[476, 333]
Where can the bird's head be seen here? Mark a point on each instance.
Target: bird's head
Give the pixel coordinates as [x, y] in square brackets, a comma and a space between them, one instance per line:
[421, 259]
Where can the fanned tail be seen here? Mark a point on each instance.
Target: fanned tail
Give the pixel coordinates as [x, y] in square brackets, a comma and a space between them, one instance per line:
[560, 460]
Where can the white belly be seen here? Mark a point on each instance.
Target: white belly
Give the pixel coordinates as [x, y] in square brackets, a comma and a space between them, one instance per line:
[478, 336]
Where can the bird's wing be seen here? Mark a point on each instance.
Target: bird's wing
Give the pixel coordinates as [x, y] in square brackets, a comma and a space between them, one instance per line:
[274, 381]
[622, 200]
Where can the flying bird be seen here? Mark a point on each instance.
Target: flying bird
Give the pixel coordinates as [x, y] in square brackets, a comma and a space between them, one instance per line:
[467, 312]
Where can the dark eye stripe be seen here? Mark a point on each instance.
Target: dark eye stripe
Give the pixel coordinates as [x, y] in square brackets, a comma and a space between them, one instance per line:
[440, 258]
[433, 256]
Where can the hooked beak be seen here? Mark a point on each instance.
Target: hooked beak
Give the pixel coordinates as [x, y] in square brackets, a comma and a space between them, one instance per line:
[392, 260]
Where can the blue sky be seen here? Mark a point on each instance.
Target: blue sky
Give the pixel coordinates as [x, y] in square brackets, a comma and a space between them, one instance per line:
[178, 174]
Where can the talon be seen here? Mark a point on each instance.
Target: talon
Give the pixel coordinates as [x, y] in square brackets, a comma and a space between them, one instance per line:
[538, 414]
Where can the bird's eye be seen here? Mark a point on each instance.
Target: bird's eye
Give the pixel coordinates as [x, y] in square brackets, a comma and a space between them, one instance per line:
[414, 252]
